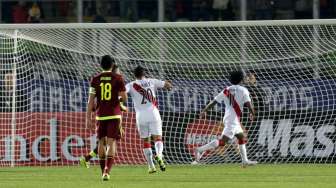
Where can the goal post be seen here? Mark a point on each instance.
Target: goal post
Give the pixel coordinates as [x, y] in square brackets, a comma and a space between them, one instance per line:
[45, 71]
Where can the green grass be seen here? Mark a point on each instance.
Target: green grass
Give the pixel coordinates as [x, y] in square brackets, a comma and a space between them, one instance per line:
[210, 176]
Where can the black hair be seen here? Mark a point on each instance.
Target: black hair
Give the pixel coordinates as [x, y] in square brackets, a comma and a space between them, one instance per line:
[139, 72]
[236, 77]
[106, 62]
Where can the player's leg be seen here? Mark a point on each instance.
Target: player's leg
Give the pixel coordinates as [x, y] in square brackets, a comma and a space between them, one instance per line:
[155, 129]
[113, 133]
[101, 135]
[102, 153]
[156, 132]
[158, 145]
[209, 146]
[159, 149]
[147, 149]
[92, 153]
[242, 140]
[227, 134]
[85, 160]
[110, 154]
[144, 132]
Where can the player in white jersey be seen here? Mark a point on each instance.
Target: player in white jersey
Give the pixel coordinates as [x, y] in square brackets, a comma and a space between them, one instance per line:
[235, 97]
[148, 119]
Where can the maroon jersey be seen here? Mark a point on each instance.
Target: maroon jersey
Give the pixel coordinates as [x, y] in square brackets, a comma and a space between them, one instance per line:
[106, 86]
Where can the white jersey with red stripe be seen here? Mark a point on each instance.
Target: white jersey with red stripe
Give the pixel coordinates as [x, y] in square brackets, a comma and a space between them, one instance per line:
[143, 93]
[234, 98]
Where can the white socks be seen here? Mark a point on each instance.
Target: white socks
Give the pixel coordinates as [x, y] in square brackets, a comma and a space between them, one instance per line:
[211, 145]
[159, 148]
[243, 154]
[149, 156]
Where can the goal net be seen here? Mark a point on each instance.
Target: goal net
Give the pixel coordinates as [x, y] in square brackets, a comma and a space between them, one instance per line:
[291, 68]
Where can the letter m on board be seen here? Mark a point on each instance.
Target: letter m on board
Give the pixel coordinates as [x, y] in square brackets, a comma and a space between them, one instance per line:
[271, 136]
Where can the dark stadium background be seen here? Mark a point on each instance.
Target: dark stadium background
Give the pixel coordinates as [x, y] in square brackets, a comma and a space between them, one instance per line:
[62, 11]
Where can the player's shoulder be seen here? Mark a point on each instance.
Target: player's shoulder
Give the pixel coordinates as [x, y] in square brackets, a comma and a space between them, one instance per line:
[95, 77]
[117, 75]
[130, 83]
[238, 87]
[156, 81]
[102, 74]
[243, 88]
[149, 80]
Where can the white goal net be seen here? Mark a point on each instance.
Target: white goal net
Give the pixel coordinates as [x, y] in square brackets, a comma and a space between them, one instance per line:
[45, 71]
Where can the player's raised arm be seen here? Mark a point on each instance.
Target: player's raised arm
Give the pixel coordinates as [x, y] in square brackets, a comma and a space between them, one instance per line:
[162, 84]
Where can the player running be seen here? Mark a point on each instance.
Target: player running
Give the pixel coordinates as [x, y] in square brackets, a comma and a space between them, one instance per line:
[235, 97]
[106, 88]
[148, 119]
[85, 160]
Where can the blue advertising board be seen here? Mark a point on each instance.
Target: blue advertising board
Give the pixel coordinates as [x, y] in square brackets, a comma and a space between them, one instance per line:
[190, 95]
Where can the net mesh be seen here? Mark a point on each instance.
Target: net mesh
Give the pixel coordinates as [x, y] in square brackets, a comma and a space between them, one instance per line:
[45, 71]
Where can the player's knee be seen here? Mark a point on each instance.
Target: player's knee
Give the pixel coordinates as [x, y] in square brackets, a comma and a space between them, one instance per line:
[112, 147]
[101, 151]
[101, 154]
[223, 140]
[111, 153]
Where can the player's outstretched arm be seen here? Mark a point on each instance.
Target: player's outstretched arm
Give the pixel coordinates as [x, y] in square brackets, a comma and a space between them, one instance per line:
[207, 107]
[251, 109]
[168, 85]
[89, 110]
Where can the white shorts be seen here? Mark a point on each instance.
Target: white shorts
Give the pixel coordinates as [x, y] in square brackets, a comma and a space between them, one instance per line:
[231, 131]
[146, 129]
[149, 123]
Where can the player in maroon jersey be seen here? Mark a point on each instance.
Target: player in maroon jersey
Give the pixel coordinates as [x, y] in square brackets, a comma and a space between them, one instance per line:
[108, 89]
[85, 160]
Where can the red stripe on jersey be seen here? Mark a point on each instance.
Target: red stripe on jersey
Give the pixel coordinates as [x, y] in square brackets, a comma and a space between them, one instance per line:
[234, 103]
[145, 94]
[147, 145]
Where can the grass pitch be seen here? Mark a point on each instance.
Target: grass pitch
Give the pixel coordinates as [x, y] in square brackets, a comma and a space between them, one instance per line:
[186, 176]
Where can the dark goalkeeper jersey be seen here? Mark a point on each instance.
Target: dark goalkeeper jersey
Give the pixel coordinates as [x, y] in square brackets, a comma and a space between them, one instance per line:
[106, 86]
